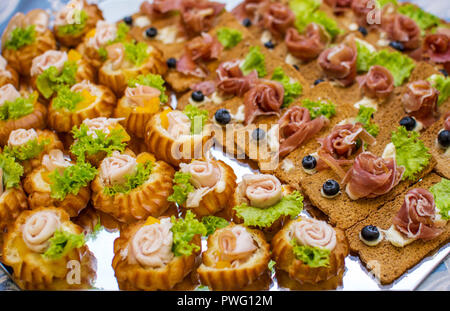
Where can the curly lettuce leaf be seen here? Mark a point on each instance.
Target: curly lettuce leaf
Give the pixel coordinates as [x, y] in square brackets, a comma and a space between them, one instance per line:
[62, 242]
[143, 171]
[289, 205]
[121, 34]
[51, 80]
[71, 180]
[198, 118]
[184, 231]
[136, 52]
[13, 110]
[29, 150]
[319, 108]
[410, 152]
[152, 80]
[66, 99]
[364, 56]
[312, 256]
[229, 37]
[365, 118]
[423, 19]
[212, 223]
[11, 171]
[255, 60]
[271, 266]
[77, 27]
[21, 37]
[382, 3]
[181, 188]
[292, 89]
[441, 193]
[442, 84]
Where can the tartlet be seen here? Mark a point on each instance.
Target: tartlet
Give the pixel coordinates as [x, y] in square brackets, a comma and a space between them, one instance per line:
[8, 75]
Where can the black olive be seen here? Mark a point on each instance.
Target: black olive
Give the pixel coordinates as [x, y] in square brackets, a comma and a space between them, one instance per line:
[444, 72]
[444, 138]
[370, 233]
[197, 96]
[128, 20]
[258, 134]
[247, 22]
[171, 62]
[362, 30]
[408, 122]
[318, 81]
[269, 44]
[397, 45]
[331, 187]
[309, 162]
[151, 32]
[222, 116]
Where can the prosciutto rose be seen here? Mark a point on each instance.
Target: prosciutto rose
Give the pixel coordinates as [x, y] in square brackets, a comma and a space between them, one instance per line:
[339, 62]
[314, 233]
[371, 176]
[179, 124]
[339, 6]
[252, 9]
[361, 10]
[21, 137]
[309, 45]
[265, 98]
[50, 58]
[447, 122]
[416, 219]
[232, 81]
[115, 169]
[236, 244]
[277, 18]
[38, 229]
[402, 29]
[261, 190]
[159, 7]
[436, 47]
[151, 245]
[377, 83]
[198, 15]
[420, 101]
[55, 160]
[104, 32]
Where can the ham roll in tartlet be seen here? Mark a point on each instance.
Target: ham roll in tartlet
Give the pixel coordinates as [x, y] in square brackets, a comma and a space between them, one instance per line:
[28, 147]
[131, 188]
[179, 136]
[60, 182]
[143, 97]
[209, 184]
[41, 247]
[236, 257]
[311, 251]
[127, 60]
[8, 75]
[84, 100]
[74, 20]
[156, 254]
[26, 37]
[53, 69]
[261, 201]
[19, 111]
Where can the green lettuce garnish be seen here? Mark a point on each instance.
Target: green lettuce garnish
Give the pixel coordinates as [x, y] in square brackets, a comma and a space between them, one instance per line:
[184, 231]
[423, 19]
[50, 81]
[312, 256]
[397, 63]
[152, 80]
[441, 193]
[442, 84]
[136, 52]
[30, 150]
[66, 99]
[71, 180]
[89, 145]
[181, 188]
[382, 3]
[12, 171]
[410, 152]
[271, 266]
[13, 110]
[292, 89]
[365, 118]
[198, 118]
[21, 37]
[319, 108]
[212, 223]
[289, 205]
[229, 37]
[255, 60]
[62, 242]
[121, 36]
[103, 53]
[77, 27]
[143, 171]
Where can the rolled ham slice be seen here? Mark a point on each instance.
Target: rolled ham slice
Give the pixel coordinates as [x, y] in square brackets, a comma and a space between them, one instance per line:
[339, 63]
[277, 18]
[436, 47]
[55, 160]
[50, 58]
[420, 101]
[115, 169]
[179, 124]
[20, 137]
[309, 45]
[377, 83]
[314, 233]
[236, 244]
[8, 93]
[261, 190]
[38, 229]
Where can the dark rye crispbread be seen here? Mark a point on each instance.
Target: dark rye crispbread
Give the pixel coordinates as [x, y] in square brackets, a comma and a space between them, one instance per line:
[392, 261]
[341, 210]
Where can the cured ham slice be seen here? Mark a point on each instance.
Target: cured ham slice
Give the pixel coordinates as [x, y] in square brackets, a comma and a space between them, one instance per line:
[277, 18]
[420, 101]
[361, 10]
[20, 137]
[51, 58]
[251, 9]
[236, 244]
[160, 7]
[68, 15]
[8, 93]
[371, 176]
[115, 169]
[232, 81]
[377, 83]
[206, 87]
[141, 94]
[296, 127]
[104, 32]
[402, 29]
[447, 122]
[339, 62]
[261, 190]
[203, 173]
[116, 54]
[101, 124]
[309, 45]
[436, 47]
[38, 229]
[416, 219]
[198, 15]
[55, 160]
[265, 98]
[179, 124]
[339, 6]
[315, 233]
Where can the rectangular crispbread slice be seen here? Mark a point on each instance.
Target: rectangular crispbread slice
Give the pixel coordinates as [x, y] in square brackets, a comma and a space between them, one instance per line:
[391, 262]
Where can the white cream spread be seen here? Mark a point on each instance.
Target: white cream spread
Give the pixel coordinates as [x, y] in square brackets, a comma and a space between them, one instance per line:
[142, 21]
[287, 165]
[168, 35]
[239, 116]
[366, 102]
[396, 238]
[266, 36]
[292, 60]
[389, 151]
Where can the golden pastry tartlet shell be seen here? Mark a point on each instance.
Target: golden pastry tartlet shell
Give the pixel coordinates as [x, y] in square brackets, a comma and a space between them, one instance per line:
[12, 202]
[13, 79]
